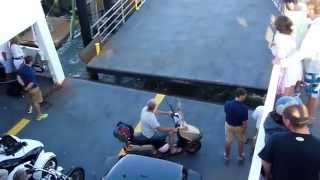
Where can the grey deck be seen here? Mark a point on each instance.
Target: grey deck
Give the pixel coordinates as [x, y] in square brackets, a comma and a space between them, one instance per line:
[83, 114]
[207, 41]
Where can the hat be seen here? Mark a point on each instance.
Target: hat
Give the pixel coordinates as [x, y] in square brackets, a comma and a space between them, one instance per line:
[285, 101]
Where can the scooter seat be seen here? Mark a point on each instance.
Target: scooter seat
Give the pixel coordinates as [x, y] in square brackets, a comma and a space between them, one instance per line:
[140, 139]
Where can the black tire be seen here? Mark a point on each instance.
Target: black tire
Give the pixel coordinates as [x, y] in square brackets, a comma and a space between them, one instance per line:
[51, 164]
[193, 147]
[76, 173]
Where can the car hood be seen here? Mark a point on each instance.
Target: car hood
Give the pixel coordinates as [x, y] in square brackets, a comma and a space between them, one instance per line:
[134, 167]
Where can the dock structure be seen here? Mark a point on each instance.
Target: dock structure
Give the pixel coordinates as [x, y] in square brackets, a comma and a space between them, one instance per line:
[208, 41]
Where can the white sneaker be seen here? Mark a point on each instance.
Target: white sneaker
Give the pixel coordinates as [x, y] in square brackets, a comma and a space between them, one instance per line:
[30, 110]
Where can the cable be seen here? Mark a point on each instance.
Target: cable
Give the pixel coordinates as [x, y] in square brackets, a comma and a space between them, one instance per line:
[7, 82]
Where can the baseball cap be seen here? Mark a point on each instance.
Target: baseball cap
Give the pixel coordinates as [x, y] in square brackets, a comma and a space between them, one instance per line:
[285, 101]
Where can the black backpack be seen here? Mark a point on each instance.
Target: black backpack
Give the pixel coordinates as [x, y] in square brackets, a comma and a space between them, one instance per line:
[124, 132]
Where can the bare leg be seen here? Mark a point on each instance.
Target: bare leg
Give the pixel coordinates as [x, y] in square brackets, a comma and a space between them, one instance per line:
[37, 108]
[312, 105]
[173, 142]
[240, 149]
[227, 149]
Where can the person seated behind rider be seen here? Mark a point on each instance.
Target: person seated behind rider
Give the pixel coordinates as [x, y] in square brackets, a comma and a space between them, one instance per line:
[274, 121]
[152, 130]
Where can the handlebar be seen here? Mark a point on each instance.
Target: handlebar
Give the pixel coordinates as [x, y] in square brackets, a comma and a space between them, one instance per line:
[31, 170]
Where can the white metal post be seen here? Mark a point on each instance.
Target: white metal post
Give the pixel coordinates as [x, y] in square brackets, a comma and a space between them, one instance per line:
[47, 47]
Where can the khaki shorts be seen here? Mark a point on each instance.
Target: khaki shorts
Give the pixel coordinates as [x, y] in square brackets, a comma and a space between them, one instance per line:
[231, 131]
[34, 96]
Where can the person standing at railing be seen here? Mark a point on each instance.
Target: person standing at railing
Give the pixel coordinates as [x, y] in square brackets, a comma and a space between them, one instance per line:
[292, 155]
[309, 52]
[274, 121]
[236, 123]
[283, 45]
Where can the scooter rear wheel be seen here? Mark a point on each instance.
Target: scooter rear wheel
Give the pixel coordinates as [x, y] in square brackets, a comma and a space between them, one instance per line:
[192, 147]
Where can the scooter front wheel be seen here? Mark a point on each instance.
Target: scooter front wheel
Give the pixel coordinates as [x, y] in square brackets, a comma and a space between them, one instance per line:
[192, 147]
[76, 173]
[51, 164]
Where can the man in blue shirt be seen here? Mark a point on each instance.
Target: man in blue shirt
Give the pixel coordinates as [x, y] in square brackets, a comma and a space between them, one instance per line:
[27, 79]
[236, 123]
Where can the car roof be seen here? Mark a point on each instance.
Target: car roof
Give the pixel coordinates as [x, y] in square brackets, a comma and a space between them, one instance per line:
[135, 167]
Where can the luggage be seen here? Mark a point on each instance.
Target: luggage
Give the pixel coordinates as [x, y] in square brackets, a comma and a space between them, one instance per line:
[124, 132]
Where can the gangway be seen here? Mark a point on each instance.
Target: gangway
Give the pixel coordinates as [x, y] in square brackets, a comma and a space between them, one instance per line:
[209, 42]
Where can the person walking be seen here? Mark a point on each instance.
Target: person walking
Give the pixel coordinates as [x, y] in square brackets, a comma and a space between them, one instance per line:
[295, 154]
[309, 53]
[236, 123]
[27, 79]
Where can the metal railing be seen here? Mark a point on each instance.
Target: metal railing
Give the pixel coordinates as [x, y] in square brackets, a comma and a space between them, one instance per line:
[114, 18]
[255, 169]
[256, 163]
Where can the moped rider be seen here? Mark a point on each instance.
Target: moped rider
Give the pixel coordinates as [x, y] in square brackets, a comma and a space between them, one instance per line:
[152, 130]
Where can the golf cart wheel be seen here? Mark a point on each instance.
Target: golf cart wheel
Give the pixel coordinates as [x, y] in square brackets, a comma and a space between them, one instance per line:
[192, 147]
[76, 173]
[51, 164]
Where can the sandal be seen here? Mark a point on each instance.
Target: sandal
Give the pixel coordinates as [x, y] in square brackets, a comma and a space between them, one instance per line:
[241, 159]
[225, 157]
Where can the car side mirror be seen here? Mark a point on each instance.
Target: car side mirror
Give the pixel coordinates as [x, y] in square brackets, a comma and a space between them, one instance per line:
[24, 144]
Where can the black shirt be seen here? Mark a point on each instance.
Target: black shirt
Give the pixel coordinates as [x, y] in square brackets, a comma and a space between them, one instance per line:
[236, 112]
[292, 156]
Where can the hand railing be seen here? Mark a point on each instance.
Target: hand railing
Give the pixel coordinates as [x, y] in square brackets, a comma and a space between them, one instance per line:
[113, 18]
[255, 169]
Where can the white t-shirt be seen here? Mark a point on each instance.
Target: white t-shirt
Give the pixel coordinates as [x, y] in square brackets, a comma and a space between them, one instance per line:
[284, 46]
[5, 48]
[16, 51]
[257, 115]
[8, 63]
[300, 23]
[149, 123]
[309, 49]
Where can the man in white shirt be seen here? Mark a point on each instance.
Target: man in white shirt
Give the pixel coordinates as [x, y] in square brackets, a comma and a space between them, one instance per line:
[309, 51]
[151, 128]
[17, 53]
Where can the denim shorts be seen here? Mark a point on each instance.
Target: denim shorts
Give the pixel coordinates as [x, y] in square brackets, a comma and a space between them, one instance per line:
[312, 81]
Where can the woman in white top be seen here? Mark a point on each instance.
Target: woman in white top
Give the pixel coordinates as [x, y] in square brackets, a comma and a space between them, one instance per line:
[284, 44]
[17, 53]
